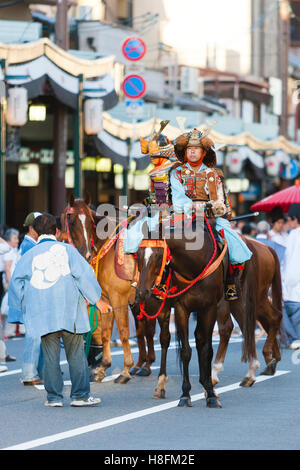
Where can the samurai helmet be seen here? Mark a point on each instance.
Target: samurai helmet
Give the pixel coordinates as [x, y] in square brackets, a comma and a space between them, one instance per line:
[162, 147]
[195, 138]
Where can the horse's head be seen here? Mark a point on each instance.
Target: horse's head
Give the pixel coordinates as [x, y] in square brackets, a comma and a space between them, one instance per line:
[151, 263]
[79, 225]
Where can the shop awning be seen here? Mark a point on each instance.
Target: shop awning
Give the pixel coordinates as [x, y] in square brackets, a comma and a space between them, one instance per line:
[42, 67]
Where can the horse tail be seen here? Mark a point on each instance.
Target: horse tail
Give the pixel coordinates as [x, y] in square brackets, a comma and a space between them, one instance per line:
[249, 312]
[277, 302]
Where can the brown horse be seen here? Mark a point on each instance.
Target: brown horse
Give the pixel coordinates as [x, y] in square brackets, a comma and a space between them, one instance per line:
[265, 272]
[80, 223]
[202, 297]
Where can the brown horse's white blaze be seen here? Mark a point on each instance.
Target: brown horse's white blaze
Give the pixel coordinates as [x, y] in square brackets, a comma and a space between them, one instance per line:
[82, 218]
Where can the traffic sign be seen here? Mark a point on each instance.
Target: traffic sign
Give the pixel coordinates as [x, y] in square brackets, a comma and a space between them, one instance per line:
[134, 86]
[135, 108]
[134, 49]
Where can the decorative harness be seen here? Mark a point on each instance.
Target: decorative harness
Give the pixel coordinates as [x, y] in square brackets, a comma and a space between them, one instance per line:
[168, 293]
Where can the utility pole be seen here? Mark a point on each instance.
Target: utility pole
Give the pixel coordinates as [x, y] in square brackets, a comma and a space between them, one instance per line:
[60, 128]
[284, 10]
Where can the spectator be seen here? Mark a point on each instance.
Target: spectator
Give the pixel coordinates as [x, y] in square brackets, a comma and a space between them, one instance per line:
[31, 236]
[263, 229]
[249, 229]
[10, 260]
[4, 357]
[32, 364]
[291, 279]
[55, 280]
[278, 234]
[239, 224]
[263, 236]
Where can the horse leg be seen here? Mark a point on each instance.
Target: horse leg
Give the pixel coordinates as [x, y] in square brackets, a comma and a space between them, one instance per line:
[140, 336]
[225, 325]
[165, 337]
[182, 324]
[122, 319]
[203, 334]
[150, 356]
[107, 321]
[271, 324]
[249, 379]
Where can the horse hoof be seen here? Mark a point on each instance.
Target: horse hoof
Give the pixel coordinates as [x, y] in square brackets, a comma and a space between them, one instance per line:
[185, 402]
[247, 382]
[213, 402]
[159, 394]
[270, 369]
[99, 375]
[122, 379]
[143, 372]
[133, 370]
[99, 378]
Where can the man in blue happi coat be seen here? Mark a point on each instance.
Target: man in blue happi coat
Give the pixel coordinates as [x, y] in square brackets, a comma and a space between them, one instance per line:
[49, 289]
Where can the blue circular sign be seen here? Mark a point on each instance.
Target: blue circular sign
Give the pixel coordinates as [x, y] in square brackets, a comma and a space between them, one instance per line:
[134, 49]
[291, 171]
[134, 86]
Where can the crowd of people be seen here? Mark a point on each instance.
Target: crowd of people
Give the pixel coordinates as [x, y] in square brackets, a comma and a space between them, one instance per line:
[282, 233]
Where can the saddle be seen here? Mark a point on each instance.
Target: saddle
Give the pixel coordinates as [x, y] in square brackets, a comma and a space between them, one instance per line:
[125, 265]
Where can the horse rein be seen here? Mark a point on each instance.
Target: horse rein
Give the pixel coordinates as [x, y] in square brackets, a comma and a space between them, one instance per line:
[170, 293]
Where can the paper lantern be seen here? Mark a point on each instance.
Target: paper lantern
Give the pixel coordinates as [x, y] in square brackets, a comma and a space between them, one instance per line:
[93, 115]
[272, 165]
[234, 162]
[17, 106]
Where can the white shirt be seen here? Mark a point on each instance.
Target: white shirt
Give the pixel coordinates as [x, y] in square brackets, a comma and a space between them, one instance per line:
[280, 238]
[291, 267]
[4, 248]
[13, 256]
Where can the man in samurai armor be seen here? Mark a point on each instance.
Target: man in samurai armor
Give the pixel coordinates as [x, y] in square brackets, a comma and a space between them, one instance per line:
[200, 187]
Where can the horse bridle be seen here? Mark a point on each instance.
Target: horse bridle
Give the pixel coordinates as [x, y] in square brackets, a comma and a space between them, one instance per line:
[71, 211]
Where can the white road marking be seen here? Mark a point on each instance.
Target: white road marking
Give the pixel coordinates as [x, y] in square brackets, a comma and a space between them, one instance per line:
[128, 417]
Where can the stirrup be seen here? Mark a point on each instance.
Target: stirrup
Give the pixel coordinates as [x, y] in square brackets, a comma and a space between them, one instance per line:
[231, 292]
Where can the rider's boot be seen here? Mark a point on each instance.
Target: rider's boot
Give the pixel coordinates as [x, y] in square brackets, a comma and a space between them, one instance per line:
[232, 284]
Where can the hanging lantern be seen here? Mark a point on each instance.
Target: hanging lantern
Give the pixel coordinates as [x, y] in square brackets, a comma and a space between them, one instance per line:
[272, 164]
[93, 115]
[275, 162]
[17, 106]
[234, 162]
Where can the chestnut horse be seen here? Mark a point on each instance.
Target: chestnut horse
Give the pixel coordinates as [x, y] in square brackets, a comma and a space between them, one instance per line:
[202, 297]
[265, 268]
[80, 223]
